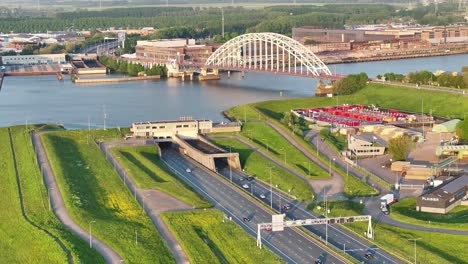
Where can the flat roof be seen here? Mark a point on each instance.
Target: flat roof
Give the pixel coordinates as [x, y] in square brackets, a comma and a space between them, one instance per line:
[169, 121]
[456, 184]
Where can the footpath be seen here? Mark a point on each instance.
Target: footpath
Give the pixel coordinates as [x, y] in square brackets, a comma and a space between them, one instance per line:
[58, 205]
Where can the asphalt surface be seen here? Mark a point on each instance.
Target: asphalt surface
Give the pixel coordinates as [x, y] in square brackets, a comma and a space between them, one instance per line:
[338, 237]
[290, 244]
[373, 208]
[58, 205]
[152, 201]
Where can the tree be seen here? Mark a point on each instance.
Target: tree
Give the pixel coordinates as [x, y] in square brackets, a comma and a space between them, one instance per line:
[29, 49]
[399, 147]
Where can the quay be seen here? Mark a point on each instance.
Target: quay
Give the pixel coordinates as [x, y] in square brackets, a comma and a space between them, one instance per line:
[1, 79]
[116, 80]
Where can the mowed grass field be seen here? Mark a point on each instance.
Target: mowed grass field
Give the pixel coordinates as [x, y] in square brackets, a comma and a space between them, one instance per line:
[145, 167]
[433, 248]
[20, 242]
[257, 165]
[277, 146]
[93, 191]
[35, 197]
[206, 238]
[405, 211]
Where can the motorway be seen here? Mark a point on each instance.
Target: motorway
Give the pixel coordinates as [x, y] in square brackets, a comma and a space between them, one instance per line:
[344, 240]
[291, 245]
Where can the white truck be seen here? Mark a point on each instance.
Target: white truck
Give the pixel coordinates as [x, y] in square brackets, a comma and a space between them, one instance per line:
[385, 201]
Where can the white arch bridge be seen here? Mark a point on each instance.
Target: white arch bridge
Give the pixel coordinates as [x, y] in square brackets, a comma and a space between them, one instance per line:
[266, 52]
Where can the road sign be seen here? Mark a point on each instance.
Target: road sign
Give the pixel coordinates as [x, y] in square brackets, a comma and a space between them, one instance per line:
[121, 36]
[277, 222]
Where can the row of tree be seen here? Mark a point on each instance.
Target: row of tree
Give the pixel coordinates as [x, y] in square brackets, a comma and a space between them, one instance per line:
[132, 69]
[350, 84]
[453, 80]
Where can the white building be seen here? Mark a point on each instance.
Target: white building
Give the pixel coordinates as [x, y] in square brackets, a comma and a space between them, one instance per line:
[34, 59]
[366, 145]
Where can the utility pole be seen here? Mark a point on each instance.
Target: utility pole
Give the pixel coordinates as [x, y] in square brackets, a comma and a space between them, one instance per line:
[326, 217]
[90, 235]
[222, 22]
[271, 189]
[229, 163]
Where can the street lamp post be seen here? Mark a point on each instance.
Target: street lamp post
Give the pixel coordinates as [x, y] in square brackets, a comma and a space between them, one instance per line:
[271, 189]
[229, 163]
[326, 217]
[48, 193]
[90, 235]
[329, 166]
[414, 239]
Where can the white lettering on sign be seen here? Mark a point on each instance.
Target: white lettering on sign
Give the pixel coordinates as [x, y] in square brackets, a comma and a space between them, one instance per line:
[430, 199]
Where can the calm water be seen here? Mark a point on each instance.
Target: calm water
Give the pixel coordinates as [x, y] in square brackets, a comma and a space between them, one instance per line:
[44, 99]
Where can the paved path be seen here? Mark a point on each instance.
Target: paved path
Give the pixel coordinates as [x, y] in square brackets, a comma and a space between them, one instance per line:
[153, 202]
[425, 87]
[333, 186]
[58, 204]
[373, 208]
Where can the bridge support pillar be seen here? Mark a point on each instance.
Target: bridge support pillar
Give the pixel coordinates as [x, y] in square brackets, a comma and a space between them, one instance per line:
[229, 74]
[243, 74]
[205, 75]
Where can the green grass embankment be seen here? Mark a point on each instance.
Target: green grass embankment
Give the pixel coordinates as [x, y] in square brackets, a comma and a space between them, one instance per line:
[257, 165]
[145, 167]
[432, 248]
[93, 191]
[270, 141]
[206, 238]
[405, 211]
[20, 242]
[35, 197]
[354, 187]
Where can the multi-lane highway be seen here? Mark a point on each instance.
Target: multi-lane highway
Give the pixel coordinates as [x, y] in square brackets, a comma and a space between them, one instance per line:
[338, 237]
[292, 245]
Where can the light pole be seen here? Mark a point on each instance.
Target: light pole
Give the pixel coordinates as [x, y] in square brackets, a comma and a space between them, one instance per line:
[326, 217]
[271, 189]
[329, 166]
[414, 239]
[48, 193]
[229, 163]
[90, 236]
[283, 149]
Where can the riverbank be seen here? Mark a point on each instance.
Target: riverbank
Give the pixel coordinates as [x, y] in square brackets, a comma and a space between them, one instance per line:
[370, 57]
[116, 80]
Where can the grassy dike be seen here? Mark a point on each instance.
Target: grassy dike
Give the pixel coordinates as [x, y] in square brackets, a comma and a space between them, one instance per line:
[432, 248]
[93, 191]
[256, 164]
[35, 197]
[147, 170]
[20, 242]
[206, 238]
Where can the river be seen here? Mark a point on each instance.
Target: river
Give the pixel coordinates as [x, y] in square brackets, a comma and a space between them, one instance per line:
[39, 99]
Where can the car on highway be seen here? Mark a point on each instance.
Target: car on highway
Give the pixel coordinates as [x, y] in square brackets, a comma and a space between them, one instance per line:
[262, 196]
[188, 170]
[245, 186]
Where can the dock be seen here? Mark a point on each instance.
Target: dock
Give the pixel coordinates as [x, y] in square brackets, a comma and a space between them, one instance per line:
[116, 80]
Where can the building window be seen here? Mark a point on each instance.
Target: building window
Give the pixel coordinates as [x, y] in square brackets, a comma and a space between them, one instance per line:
[178, 126]
[186, 125]
[162, 126]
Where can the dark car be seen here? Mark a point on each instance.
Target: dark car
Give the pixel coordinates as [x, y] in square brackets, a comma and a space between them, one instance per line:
[246, 219]
[369, 255]
[287, 207]
[318, 261]
[250, 178]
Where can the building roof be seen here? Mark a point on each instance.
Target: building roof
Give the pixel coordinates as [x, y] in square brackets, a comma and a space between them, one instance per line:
[371, 138]
[455, 185]
[449, 126]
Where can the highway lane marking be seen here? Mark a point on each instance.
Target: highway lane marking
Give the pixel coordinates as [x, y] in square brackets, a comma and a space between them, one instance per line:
[248, 227]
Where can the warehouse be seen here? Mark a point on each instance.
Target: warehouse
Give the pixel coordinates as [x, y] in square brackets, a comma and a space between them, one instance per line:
[444, 198]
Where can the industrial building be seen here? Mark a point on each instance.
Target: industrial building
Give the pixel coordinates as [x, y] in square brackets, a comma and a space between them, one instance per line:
[184, 128]
[445, 197]
[366, 144]
[34, 59]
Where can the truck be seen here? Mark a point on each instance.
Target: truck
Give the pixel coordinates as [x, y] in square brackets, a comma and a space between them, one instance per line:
[385, 201]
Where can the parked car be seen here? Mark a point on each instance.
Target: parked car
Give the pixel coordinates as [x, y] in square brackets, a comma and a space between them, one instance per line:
[369, 255]
[245, 186]
[268, 228]
[246, 219]
[188, 170]
[262, 196]
[287, 207]
[250, 178]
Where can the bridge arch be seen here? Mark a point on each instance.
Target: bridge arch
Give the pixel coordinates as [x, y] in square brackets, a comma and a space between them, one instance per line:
[267, 52]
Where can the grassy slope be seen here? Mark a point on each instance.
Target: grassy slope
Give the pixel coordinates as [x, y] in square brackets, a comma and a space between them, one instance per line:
[143, 164]
[353, 186]
[93, 191]
[263, 134]
[20, 242]
[256, 164]
[207, 239]
[35, 198]
[432, 248]
[405, 211]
